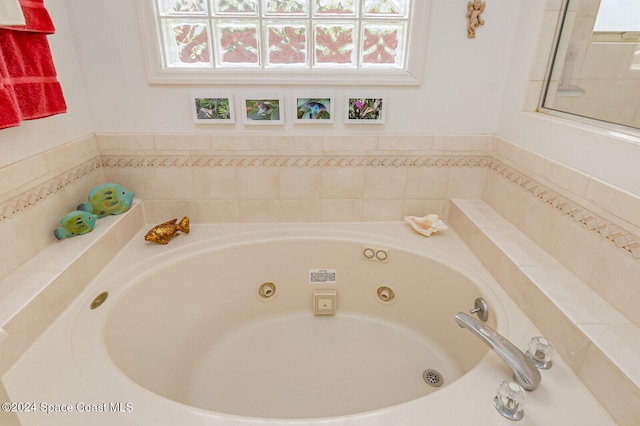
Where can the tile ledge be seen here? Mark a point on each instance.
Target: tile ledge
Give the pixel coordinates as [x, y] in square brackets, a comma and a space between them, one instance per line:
[24, 285]
[603, 329]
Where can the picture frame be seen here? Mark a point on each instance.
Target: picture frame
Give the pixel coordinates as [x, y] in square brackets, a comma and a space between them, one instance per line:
[263, 110]
[314, 109]
[368, 109]
[212, 108]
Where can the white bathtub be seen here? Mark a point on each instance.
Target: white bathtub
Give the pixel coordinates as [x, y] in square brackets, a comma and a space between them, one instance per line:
[185, 337]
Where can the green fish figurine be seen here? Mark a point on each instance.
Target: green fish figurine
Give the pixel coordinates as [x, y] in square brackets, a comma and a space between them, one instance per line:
[108, 199]
[75, 223]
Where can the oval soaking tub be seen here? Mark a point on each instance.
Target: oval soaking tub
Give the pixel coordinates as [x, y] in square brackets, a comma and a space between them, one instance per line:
[225, 326]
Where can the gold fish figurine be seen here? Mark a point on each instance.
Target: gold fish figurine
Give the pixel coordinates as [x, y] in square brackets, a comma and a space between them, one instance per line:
[163, 232]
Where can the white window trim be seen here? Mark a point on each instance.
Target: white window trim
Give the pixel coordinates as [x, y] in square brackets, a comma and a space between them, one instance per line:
[412, 75]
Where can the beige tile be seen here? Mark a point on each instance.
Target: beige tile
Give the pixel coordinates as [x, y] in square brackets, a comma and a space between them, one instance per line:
[611, 388]
[27, 171]
[500, 194]
[16, 232]
[350, 143]
[513, 155]
[124, 142]
[461, 143]
[382, 209]
[343, 182]
[23, 330]
[159, 211]
[7, 183]
[297, 144]
[576, 249]
[614, 200]
[421, 207]
[569, 342]
[239, 142]
[182, 142]
[216, 211]
[519, 287]
[7, 418]
[620, 343]
[170, 183]
[131, 223]
[481, 214]
[300, 183]
[259, 211]
[300, 211]
[385, 182]
[426, 182]
[258, 183]
[466, 182]
[405, 142]
[70, 154]
[559, 176]
[342, 210]
[215, 183]
[615, 277]
[103, 250]
[577, 301]
[519, 248]
[540, 221]
[67, 286]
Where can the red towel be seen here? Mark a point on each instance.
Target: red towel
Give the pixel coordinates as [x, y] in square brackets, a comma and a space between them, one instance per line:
[29, 86]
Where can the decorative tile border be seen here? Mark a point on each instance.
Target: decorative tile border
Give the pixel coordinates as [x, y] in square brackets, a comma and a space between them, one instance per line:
[296, 161]
[589, 220]
[17, 204]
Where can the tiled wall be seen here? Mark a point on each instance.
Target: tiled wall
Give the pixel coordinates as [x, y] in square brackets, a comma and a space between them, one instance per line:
[37, 192]
[261, 178]
[230, 178]
[593, 229]
[590, 227]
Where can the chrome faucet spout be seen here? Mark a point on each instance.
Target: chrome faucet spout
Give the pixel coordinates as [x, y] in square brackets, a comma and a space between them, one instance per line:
[524, 372]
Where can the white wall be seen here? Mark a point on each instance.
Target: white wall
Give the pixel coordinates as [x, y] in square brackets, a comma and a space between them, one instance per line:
[35, 136]
[464, 79]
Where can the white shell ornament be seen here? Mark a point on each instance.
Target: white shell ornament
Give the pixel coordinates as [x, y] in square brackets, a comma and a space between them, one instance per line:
[426, 225]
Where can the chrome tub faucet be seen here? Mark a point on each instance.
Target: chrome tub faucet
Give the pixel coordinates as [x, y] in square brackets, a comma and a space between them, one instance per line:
[524, 372]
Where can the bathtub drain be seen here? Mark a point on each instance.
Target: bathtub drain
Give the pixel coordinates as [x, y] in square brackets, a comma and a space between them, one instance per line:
[432, 378]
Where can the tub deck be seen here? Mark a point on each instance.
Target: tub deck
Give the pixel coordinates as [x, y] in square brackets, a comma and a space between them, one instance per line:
[49, 366]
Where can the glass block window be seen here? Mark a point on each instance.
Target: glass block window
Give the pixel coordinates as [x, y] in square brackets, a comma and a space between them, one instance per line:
[283, 34]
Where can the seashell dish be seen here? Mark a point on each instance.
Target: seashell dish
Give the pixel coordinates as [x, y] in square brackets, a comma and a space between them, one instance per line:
[426, 225]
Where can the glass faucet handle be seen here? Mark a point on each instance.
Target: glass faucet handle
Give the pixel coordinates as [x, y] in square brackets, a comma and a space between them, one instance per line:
[541, 352]
[509, 400]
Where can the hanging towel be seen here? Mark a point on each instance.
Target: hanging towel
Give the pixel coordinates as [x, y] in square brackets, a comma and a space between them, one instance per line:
[29, 86]
[11, 13]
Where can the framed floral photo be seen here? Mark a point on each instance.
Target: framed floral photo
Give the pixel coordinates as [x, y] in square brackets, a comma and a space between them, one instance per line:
[314, 110]
[264, 110]
[212, 109]
[365, 110]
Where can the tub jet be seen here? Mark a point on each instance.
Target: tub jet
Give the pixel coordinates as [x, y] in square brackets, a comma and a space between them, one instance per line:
[99, 300]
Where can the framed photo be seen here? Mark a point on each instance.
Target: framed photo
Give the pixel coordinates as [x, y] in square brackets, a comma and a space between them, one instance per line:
[212, 109]
[365, 110]
[263, 110]
[314, 110]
